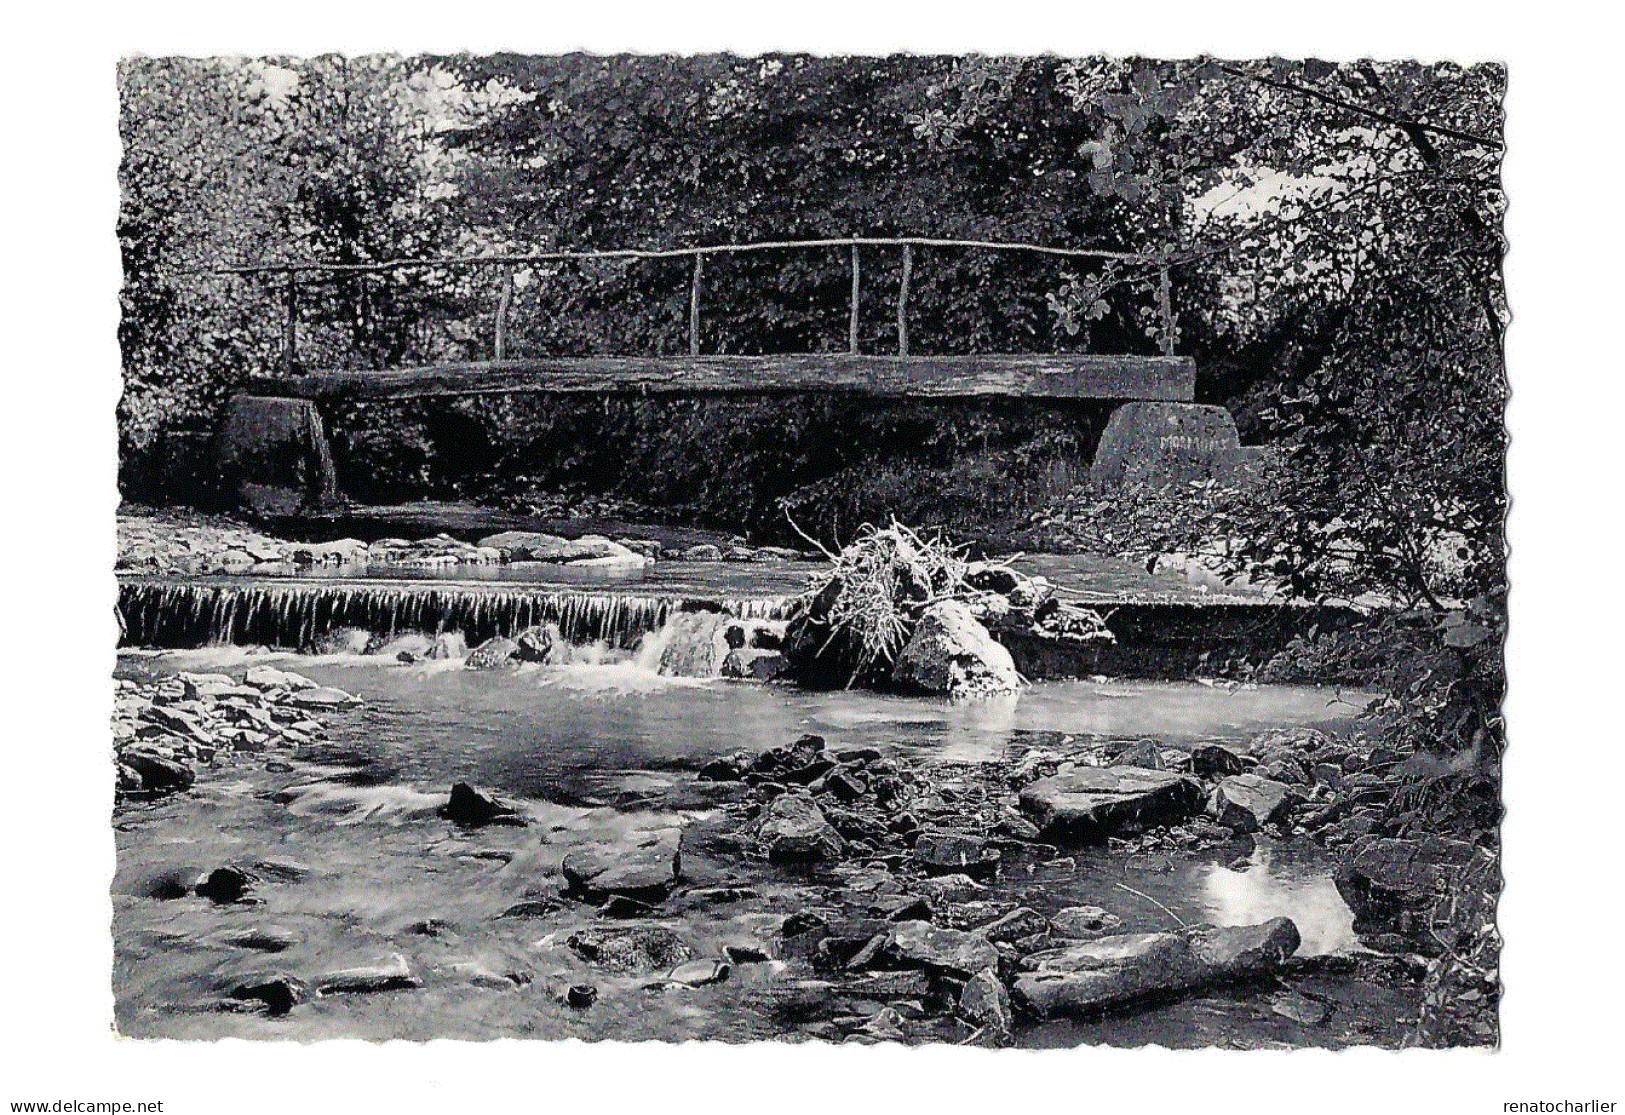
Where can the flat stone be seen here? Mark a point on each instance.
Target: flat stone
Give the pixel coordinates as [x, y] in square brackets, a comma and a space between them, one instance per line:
[920, 942]
[322, 699]
[1300, 1008]
[948, 853]
[524, 545]
[392, 974]
[269, 677]
[1018, 924]
[1087, 977]
[1083, 922]
[265, 938]
[1092, 802]
[643, 872]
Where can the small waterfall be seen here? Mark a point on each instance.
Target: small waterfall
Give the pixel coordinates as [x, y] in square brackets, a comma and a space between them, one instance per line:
[174, 614]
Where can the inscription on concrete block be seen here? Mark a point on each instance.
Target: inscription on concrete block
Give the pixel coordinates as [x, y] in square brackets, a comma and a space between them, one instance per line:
[1166, 443]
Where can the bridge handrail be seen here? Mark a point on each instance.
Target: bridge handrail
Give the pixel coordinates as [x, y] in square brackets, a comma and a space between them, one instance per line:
[292, 269]
[563, 255]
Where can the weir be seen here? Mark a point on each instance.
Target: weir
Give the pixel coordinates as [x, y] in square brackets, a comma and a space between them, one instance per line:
[174, 614]
[1152, 638]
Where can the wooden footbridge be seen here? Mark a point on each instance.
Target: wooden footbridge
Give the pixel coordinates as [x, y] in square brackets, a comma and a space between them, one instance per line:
[1165, 377]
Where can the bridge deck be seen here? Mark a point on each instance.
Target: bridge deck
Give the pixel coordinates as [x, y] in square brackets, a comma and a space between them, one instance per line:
[1046, 377]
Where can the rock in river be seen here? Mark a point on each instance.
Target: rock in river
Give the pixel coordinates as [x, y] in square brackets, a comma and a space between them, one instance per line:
[279, 992]
[921, 944]
[632, 948]
[794, 830]
[473, 807]
[949, 652]
[986, 1002]
[1113, 970]
[322, 699]
[1248, 802]
[386, 975]
[266, 678]
[949, 853]
[643, 872]
[1083, 922]
[1096, 801]
[492, 653]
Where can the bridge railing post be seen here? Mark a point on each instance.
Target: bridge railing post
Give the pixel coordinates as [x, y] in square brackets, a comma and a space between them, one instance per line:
[852, 319]
[902, 300]
[1165, 308]
[290, 355]
[504, 299]
[694, 305]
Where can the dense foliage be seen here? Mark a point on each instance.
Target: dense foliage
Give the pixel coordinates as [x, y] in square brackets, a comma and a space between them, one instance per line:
[1332, 233]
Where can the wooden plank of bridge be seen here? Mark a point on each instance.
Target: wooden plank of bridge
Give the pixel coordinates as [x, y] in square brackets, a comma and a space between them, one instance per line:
[1168, 378]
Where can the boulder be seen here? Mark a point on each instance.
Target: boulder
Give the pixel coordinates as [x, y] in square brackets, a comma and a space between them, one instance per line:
[950, 653]
[948, 853]
[473, 807]
[985, 1001]
[492, 653]
[1387, 882]
[727, 768]
[754, 665]
[1093, 802]
[406, 648]
[279, 992]
[793, 829]
[1162, 443]
[1087, 977]
[644, 872]
[703, 552]
[542, 644]
[158, 773]
[1248, 802]
[1210, 760]
[921, 944]
[631, 948]
[448, 645]
[525, 545]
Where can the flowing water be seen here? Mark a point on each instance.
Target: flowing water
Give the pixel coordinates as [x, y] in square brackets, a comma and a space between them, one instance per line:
[603, 750]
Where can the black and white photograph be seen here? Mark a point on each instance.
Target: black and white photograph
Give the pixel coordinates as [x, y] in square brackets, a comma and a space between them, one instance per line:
[1001, 553]
[984, 550]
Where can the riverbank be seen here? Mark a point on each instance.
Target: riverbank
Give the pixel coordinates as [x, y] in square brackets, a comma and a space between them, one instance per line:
[599, 879]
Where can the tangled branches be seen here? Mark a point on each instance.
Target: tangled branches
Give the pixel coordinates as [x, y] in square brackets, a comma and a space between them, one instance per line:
[863, 609]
